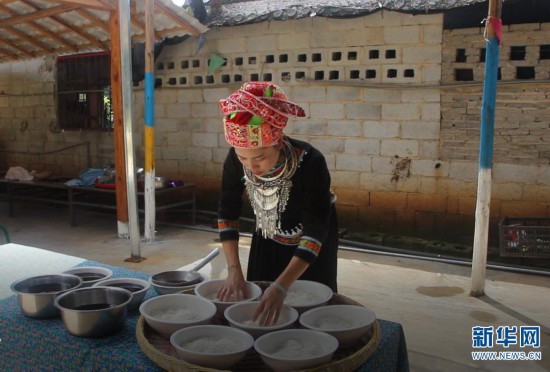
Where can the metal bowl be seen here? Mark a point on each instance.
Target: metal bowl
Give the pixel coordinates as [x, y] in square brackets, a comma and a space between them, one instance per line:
[176, 278]
[164, 289]
[138, 287]
[36, 294]
[94, 311]
[90, 274]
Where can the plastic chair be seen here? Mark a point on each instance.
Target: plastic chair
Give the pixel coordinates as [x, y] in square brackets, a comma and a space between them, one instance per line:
[6, 234]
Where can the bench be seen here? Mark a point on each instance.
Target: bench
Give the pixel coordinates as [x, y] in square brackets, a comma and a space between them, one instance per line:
[88, 196]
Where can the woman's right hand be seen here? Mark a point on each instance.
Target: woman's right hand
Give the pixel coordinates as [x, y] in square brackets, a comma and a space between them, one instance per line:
[234, 287]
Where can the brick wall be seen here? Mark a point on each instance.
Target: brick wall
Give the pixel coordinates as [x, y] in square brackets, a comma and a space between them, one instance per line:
[402, 157]
[29, 132]
[521, 168]
[381, 145]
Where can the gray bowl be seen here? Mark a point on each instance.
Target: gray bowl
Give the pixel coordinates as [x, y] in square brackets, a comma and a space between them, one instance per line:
[90, 274]
[176, 278]
[163, 289]
[94, 311]
[138, 287]
[36, 294]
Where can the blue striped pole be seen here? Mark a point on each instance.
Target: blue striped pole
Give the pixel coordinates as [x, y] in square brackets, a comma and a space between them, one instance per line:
[149, 139]
[481, 234]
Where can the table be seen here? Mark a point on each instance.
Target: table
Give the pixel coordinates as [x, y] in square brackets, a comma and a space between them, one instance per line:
[30, 344]
[18, 261]
[88, 196]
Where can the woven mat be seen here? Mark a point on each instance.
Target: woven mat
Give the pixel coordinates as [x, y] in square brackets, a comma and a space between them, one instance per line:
[163, 354]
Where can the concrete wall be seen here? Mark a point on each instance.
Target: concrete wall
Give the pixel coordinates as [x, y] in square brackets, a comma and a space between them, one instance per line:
[521, 171]
[30, 135]
[402, 158]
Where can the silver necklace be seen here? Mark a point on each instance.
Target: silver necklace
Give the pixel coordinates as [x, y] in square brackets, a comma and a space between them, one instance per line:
[269, 195]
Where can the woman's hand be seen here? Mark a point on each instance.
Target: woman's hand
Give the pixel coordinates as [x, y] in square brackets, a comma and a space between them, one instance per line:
[271, 304]
[234, 287]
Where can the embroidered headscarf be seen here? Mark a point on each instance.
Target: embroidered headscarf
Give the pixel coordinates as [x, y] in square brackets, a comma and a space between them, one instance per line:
[256, 114]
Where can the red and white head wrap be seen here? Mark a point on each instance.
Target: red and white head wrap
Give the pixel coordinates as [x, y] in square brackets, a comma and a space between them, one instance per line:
[256, 114]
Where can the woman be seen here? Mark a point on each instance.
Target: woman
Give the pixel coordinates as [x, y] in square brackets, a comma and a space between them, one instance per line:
[288, 185]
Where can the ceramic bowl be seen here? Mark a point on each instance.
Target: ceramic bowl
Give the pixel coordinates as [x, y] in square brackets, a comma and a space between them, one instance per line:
[212, 346]
[138, 287]
[348, 323]
[239, 315]
[292, 349]
[209, 290]
[304, 295]
[169, 313]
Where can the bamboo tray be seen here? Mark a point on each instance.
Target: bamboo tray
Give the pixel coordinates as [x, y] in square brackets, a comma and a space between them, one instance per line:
[161, 352]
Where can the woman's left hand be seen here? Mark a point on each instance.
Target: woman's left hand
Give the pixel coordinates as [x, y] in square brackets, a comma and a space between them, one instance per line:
[270, 307]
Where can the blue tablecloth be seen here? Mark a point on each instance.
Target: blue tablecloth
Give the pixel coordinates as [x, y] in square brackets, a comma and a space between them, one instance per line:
[32, 344]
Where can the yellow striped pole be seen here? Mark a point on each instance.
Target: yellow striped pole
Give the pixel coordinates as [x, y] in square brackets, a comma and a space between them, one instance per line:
[149, 123]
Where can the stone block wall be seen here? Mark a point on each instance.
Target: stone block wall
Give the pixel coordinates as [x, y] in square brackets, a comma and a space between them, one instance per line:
[521, 169]
[30, 135]
[402, 152]
[381, 142]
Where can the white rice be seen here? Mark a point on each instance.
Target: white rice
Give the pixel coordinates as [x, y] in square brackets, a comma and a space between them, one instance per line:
[296, 297]
[332, 322]
[175, 314]
[214, 297]
[252, 323]
[293, 349]
[257, 322]
[213, 345]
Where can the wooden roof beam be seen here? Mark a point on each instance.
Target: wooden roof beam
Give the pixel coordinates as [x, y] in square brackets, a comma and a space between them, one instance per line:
[16, 47]
[174, 17]
[30, 40]
[74, 29]
[40, 13]
[39, 29]
[9, 1]
[8, 55]
[97, 22]
[138, 24]
[96, 4]
[53, 36]
[92, 40]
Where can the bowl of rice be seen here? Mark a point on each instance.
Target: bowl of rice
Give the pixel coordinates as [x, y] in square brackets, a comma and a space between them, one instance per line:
[240, 314]
[169, 313]
[348, 323]
[292, 349]
[212, 346]
[209, 291]
[304, 295]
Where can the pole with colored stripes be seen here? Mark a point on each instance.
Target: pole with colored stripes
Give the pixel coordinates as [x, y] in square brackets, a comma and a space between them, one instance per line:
[479, 260]
[149, 139]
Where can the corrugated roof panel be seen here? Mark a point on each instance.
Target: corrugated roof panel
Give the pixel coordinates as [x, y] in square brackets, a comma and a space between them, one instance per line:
[231, 13]
[78, 28]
